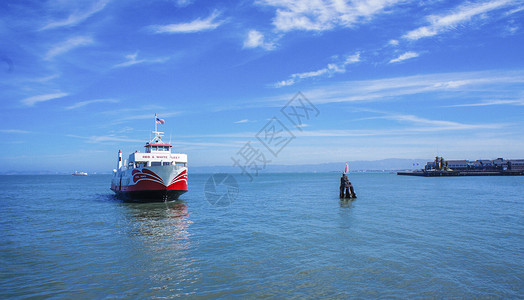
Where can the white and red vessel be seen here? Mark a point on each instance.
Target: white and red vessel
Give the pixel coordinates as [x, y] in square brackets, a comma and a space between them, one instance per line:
[153, 175]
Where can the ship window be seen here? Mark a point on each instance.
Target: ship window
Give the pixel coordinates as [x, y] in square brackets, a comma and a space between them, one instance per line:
[155, 163]
[154, 148]
[168, 163]
[181, 164]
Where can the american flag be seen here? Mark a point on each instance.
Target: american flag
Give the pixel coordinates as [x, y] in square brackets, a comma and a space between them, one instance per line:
[160, 121]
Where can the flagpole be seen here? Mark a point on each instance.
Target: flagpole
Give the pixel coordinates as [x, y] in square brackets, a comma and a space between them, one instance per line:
[155, 125]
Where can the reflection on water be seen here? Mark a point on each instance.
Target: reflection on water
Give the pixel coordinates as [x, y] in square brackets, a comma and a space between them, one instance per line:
[159, 221]
[163, 241]
[346, 203]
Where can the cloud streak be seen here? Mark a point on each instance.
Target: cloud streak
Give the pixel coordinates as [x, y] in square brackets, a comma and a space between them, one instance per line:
[329, 70]
[84, 103]
[131, 60]
[78, 16]
[390, 88]
[31, 101]
[519, 102]
[14, 131]
[404, 56]
[435, 125]
[463, 14]
[67, 46]
[105, 139]
[323, 15]
[197, 25]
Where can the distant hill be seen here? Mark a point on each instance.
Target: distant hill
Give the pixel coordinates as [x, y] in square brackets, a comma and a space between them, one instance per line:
[389, 164]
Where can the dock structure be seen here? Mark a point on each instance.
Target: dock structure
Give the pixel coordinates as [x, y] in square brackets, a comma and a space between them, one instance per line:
[461, 173]
[498, 167]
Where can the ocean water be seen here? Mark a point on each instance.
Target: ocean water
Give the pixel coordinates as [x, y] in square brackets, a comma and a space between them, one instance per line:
[284, 236]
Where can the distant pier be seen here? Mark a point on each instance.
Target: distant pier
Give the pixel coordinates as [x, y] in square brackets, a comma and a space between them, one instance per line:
[461, 173]
[497, 167]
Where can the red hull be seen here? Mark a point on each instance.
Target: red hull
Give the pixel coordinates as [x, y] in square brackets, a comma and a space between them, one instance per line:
[150, 187]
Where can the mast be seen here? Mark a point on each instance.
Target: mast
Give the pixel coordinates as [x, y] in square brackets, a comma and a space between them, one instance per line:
[158, 134]
[155, 124]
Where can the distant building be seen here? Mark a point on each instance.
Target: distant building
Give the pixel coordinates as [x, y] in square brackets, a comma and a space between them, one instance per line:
[458, 164]
[485, 162]
[430, 165]
[516, 164]
[499, 164]
[480, 167]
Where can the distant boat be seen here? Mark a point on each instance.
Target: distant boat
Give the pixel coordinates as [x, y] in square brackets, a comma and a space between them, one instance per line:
[76, 173]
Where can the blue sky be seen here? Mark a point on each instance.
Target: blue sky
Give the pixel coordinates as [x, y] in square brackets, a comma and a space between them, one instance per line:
[390, 79]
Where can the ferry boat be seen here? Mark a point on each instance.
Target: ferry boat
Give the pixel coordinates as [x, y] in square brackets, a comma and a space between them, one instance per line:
[76, 173]
[151, 176]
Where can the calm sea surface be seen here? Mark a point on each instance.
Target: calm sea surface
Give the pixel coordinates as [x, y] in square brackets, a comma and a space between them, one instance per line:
[285, 236]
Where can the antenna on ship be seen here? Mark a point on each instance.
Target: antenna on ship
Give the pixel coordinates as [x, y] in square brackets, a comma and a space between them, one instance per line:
[158, 134]
[155, 123]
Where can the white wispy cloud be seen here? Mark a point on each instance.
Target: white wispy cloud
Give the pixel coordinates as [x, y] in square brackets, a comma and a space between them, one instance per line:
[516, 10]
[183, 3]
[15, 131]
[105, 138]
[31, 101]
[519, 102]
[129, 115]
[67, 46]
[390, 88]
[241, 121]
[256, 39]
[464, 13]
[323, 15]
[393, 42]
[112, 138]
[404, 56]
[78, 16]
[512, 28]
[84, 103]
[414, 126]
[329, 70]
[209, 23]
[436, 125]
[131, 59]
[46, 78]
